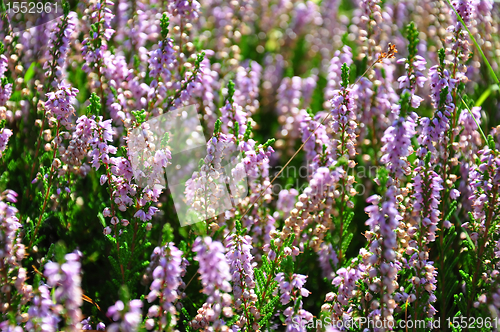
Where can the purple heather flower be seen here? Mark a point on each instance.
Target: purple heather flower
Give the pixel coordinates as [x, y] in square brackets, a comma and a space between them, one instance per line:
[286, 200]
[42, 312]
[4, 64]
[166, 281]
[344, 122]
[305, 14]
[239, 257]
[469, 138]
[11, 254]
[291, 287]
[484, 179]
[66, 280]
[230, 114]
[130, 317]
[95, 46]
[383, 220]
[335, 71]
[58, 47]
[102, 133]
[397, 145]
[414, 78]
[247, 86]
[5, 134]
[162, 61]
[59, 103]
[186, 9]
[427, 210]
[214, 269]
[5, 92]
[328, 260]
[434, 130]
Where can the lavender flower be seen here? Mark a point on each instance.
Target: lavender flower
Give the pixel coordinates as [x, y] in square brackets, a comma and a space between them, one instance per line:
[344, 118]
[95, 46]
[186, 9]
[215, 275]
[15, 291]
[240, 259]
[214, 270]
[166, 281]
[335, 71]
[42, 312]
[427, 187]
[66, 280]
[381, 262]
[58, 47]
[397, 145]
[59, 103]
[5, 134]
[292, 289]
[130, 316]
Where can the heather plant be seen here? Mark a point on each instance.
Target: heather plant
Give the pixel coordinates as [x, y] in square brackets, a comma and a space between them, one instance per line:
[248, 165]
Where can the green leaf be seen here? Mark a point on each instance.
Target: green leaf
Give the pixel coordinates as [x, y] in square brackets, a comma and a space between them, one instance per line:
[483, 97]
[469, 240]
[30, 72]
[346, 241]
[101, 219]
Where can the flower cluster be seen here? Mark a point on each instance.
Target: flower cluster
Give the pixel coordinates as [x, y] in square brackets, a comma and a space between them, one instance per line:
[166, 281]
[338, 144]
[292, 289]
[66, 280]
[215, 275]
[128, 317]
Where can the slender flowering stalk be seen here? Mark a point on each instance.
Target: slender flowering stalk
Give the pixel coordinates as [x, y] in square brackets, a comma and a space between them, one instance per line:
[397, 140]
[436, 129]
[16, 292]
[95, 45]
[5, 134]
[424, 224]
[292, 289]
[344, 124]
[241, 267]
[5, 86]
[58, 106]
[58, 47]
[414, 66]
[42, 312]
[344, 281]
[459, 48]
[166, 281]
[66, 280]
[215, 278]
[382, 263]
[161, 63]
[485, 184]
